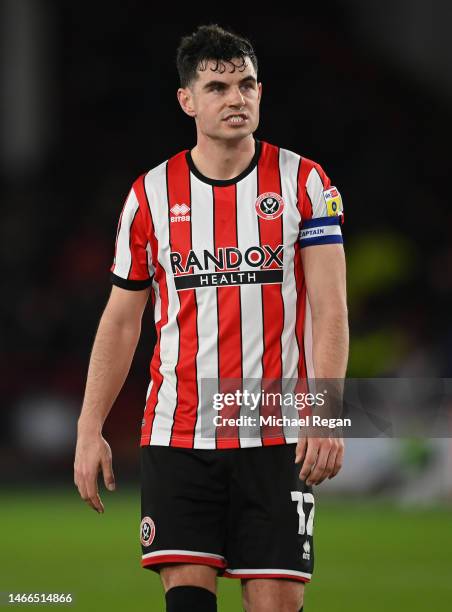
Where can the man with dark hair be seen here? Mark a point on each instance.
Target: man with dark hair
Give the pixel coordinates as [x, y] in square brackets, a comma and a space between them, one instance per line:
[239, 243]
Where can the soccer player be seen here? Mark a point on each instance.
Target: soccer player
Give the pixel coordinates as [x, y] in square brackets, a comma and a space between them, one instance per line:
[239, 244]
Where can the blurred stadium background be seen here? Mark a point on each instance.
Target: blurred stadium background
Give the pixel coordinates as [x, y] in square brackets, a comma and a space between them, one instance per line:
[88, 102]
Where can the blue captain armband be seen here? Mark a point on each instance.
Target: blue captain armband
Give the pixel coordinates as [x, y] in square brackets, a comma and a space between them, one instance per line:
[322, 230]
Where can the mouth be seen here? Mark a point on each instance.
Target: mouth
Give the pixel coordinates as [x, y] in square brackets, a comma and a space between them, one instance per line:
[236, 119]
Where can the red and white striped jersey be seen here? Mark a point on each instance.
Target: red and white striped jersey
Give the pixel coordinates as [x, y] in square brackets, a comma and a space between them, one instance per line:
[223, 261]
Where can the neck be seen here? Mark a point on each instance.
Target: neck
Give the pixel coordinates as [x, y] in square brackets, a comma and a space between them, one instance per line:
[223, 159]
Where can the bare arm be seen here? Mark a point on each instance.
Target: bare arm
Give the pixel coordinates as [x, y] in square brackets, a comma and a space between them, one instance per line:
[113, 349]
[324, 269]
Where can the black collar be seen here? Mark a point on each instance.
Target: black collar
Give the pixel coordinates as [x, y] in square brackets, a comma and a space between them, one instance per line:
[226, 182]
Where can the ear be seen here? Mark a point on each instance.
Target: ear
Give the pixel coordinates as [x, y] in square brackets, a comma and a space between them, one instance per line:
[185, 97]
[259, 91]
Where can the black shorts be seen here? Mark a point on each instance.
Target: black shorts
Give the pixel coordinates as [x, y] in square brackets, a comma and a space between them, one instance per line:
[244, 511]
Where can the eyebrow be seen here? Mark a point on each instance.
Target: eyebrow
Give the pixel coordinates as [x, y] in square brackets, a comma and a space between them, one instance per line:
[223, 84]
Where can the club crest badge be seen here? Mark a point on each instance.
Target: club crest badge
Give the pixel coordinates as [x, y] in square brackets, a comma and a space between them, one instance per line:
[269, 205]
[147, 531]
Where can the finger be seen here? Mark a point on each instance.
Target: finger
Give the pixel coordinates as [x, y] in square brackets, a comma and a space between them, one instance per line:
[329, 464]
[96, 504]
[109, 478]
[338, 461]
[309, 460]
[320, 464]
[93, 494]
[76, 478]
[332, 460]
[82, 488]
[300, 449]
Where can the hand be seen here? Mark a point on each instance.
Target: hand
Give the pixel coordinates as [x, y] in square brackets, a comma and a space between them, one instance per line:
[92, 455]
[322, 458]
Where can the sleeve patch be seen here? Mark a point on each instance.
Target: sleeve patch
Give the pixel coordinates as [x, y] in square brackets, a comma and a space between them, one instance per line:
[333, 202]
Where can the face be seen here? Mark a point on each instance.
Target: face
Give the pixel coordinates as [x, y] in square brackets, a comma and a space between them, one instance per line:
[224, 100]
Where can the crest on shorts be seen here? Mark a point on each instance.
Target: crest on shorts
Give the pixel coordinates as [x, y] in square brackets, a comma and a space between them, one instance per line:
[269, 205]
[147, 531]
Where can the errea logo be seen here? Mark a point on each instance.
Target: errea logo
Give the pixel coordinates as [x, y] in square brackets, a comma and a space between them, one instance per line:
[306, 550]
[179, 212]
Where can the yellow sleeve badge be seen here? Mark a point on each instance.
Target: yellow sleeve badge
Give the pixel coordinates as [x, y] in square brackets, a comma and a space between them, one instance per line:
[333, 202]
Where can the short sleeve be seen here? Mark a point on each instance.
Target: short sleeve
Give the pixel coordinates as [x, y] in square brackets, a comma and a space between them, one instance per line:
[322, 210]
[132, 264]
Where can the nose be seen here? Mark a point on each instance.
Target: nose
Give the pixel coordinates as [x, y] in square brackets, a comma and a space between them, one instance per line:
[237, 98]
